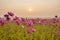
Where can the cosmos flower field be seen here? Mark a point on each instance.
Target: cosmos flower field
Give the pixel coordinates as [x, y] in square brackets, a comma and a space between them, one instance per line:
[13, 27]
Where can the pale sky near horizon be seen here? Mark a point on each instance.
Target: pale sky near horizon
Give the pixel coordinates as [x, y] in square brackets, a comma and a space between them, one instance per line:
[31, 8]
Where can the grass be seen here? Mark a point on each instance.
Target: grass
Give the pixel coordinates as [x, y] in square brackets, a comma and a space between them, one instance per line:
[12, 31]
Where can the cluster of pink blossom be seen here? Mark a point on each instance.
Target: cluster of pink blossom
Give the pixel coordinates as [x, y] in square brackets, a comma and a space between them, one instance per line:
[29, 22]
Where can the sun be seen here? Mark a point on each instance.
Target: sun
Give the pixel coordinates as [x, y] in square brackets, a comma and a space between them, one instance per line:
[30, 9]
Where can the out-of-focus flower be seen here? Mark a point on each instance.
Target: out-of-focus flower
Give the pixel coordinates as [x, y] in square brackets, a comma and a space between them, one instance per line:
[17, 20]
[43, 21]
[55, 19]
[23, 19]
[56, 16]
[34, 30]
[10, 13]
[8, 18]
[56, 24]
[2, 22]
[29, 31]
[6, 15]
[30, 23]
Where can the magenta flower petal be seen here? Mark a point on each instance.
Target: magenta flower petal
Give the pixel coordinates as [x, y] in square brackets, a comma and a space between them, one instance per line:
[23, 19]
[34, 30]
[6, 15]
[30, 23]
[29, 31]
[56, 16]
[10, 13]
[17, 20]
[7, 18]
[56, 24]
[2, 22]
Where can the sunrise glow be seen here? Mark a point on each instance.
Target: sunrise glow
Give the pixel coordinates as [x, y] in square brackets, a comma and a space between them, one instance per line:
[30, 9]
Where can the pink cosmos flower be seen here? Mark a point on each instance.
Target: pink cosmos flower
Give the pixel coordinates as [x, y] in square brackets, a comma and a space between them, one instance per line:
[29, 31]
[34, 30]
[2, 22]
[10, 13]
[17, 20]
[56, 16]
[6, 15]
[23, 19]
[30, 23]
[56, 24]
[43, 21]
[8, 18]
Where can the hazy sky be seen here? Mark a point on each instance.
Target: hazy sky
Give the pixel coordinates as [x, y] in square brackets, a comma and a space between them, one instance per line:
[39, 8]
